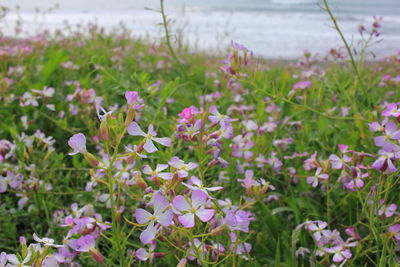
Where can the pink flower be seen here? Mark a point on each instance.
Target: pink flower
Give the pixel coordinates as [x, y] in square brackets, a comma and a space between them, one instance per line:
[143, 255]
[78, 143]
[356, 179]
[186, 113]
[181, 167]
[238, 219]
[86, 243]
[218, 118]
[387, 210]
[391, 110]
[391, 133]
[395, 231]
[318, 229]
[188, 209]
[161, 214]
[47, 242]
[248, 182]
[11, 179]
[350, 231]
[313, 180]
[157, 172]
[237, 247]
[197, 184]
[132, 97]
[385, 161]
[135, 130]
[340, 253]
[14, 261]
[302, 85]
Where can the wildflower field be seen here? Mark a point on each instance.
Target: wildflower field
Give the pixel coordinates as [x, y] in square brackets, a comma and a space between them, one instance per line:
[116, 151]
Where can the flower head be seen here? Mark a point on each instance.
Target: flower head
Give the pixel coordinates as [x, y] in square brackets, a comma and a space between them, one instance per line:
[188, 209]
[78, 143]
[135, 130]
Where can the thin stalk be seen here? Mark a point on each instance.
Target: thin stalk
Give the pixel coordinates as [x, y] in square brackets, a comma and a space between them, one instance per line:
[337, 28]
[168, 39]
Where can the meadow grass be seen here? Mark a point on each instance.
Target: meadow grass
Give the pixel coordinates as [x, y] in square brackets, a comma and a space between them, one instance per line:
[300, 173]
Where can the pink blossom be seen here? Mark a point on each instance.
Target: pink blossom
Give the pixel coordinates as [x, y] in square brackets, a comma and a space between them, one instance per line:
[132, 97]
[340, 253]
[391, 110]
[395, 231]
[135, 130]
[181, 167]
[78, 143]
[157, 173]
[187, 209]
[313, 180]
[196, 183]
[161, 214]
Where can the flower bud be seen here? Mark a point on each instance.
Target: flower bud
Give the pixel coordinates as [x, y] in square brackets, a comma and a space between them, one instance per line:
[103, 131]
[182, 263]
[218, 230]
[91, 159]
[96, 255]
[130, 116]
[159, 254]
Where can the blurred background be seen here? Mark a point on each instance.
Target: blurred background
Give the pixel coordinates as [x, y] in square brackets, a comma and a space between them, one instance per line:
[279, 29]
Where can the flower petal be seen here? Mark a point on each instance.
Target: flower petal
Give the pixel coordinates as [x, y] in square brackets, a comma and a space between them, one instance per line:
[149, 146]
[165, 141]
[165, 219]
[135, 130]
[148, 235]
[198, 198]
[187, 220]
[180, 203]
[142, 216]
[205, 214]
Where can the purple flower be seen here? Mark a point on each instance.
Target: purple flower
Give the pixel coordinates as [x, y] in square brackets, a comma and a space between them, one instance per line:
[78, 143]
[395, 231]
[161, 215]
[391, 110]
[351, 231]
[11, 179]
[14, 261]
[356, 179]
[313, 180]
[337, 162]
[133, 100]
[86, 243]
[318, 229]
[157, 172]
[248, 182]
[143, 255]
[387, 210]
[238, 219]
[301, 252]
[196, 183]
[237, 247]
[340, 253]
[385, 161]
[218, 118]
[135, 130]
[181, 167]
[188, 209]
[47, 242]
[302, 85]
[391, 133]
[3, 259]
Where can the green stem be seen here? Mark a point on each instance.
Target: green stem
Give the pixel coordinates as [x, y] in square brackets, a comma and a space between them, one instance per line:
[168, 39]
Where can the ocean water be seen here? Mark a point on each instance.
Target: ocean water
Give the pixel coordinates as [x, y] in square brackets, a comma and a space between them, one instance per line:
[270, 28]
